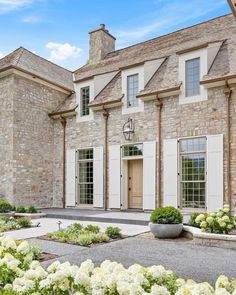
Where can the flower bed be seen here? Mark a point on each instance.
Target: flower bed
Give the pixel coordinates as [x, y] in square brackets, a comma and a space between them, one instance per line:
[85, 236]
[11, 223]
[20, 274]
[219, 222]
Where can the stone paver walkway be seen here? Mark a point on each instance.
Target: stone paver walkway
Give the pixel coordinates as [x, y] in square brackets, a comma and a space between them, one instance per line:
[48, 225]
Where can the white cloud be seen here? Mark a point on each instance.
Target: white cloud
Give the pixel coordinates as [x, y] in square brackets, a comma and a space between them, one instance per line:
[31, 19]
[62, 51]
[167, 16]
[8, 5]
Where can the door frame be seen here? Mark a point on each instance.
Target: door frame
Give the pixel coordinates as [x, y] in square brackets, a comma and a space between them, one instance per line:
[124, 176]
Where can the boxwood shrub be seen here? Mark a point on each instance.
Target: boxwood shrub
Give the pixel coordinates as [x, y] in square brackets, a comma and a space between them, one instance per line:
[5, 206]
[166, 215]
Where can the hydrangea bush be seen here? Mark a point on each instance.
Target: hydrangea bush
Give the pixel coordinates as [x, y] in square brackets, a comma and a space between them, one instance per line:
[220, 222]
[21, 275]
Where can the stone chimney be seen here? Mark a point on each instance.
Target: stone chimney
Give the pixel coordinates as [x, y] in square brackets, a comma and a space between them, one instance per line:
[100, 44]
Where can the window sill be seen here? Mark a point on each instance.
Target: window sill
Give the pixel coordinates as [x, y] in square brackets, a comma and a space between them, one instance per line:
[192, 99]
[84, 119]
[132, 110]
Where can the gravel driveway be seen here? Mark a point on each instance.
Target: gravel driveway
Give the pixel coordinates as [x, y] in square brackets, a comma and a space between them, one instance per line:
[189, 261]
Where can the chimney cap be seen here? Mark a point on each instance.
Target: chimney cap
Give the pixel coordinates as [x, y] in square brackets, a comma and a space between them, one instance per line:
[102, 27]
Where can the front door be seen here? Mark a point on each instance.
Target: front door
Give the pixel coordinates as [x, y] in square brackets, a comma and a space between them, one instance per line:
[135, 184]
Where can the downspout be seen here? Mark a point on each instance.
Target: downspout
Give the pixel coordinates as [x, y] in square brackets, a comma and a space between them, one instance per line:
[158, 104]
[228, 93]
[105, 197]
[63, 122]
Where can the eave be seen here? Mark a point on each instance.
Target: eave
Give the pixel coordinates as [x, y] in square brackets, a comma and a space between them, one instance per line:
[160, 93]
[36, 78]
[106, 105]
[220, 81]
[65, 113]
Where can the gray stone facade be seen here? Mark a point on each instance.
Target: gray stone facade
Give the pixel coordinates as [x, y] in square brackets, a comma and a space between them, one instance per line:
[27, 141]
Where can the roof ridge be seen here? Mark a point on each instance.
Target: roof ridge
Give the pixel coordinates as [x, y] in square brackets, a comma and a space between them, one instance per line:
[167, 34]
[45, 59]
[20, 55]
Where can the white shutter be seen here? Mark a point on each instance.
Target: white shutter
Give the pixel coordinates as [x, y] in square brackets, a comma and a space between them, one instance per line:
[98, 177]
[215, 179]
[114, 177]
[149, 175]
[170, 168]
[70, 177]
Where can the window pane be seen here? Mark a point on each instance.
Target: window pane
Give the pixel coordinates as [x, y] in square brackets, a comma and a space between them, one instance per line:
[132, 90]
[192, 73]
[132, 150]
[84, 101]
[85, 176]
[193, 174]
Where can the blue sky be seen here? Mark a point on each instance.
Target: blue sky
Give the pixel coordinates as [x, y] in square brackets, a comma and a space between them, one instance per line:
[58, 29]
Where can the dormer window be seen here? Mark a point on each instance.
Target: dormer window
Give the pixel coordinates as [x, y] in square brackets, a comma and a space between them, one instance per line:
[193, 65]
[132, 82]
[132, 91]
[84, 101]
[192, 77]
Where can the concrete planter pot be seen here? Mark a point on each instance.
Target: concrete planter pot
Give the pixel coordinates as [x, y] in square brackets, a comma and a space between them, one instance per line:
[166, 231]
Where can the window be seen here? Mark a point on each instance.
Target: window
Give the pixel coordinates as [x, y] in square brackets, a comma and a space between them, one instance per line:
[132, 91]
[193, 172]
[84, 101]
[192, 73]
[85, 177]
[132, 150]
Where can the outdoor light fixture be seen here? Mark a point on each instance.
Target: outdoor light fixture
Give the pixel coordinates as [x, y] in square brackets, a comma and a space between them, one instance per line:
[59, 225]
[128, 129]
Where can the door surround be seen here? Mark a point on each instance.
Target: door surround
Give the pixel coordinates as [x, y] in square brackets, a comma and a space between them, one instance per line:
[125, 160]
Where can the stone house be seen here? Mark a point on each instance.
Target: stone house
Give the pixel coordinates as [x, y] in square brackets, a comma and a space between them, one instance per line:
[136, 128]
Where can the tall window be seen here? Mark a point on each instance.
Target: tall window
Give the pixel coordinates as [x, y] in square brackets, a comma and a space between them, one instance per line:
[132, 91]
[193, 172]
[192, 72]
[84, 101]
[85, 177]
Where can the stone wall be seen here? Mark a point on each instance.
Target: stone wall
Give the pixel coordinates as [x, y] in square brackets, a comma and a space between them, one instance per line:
[6, 138]
[202, 118]
[33, 142]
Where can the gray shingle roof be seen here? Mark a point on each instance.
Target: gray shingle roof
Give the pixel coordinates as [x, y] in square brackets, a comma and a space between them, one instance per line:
[23, 59]
[167, 45]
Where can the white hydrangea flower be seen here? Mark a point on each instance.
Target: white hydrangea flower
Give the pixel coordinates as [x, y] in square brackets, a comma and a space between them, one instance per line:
[200, 218]
[157, 271]
[53, 267]
[13, 265]
[183, 291]
[221, 291]
[23, 248]
[159, 290]
[222, 282]
[202, 289]
[9, 243]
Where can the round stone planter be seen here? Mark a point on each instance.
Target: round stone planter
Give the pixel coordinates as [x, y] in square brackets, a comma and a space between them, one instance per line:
[166, 231]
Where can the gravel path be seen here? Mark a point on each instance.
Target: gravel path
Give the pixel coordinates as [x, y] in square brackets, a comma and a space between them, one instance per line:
[189, 261]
